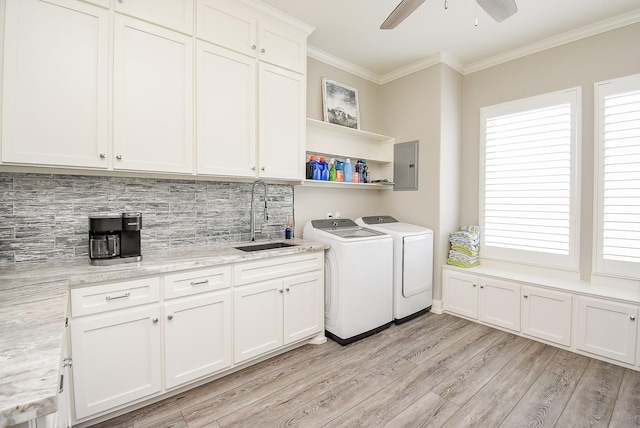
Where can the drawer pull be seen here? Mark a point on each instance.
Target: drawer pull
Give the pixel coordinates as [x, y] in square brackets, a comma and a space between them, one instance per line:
[124, 296]
[203, 282]
[632, 318]
[526, 296]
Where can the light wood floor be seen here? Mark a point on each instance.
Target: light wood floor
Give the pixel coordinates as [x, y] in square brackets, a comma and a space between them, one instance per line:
[437, 370]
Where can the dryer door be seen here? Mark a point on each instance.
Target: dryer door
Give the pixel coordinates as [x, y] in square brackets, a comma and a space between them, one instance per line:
[417, 264]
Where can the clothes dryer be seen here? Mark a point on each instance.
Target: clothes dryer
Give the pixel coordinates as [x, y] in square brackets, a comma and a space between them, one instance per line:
[412, 265]
[358, 278]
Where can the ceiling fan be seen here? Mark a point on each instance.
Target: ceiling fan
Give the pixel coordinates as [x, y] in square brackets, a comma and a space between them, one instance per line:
[497, 9]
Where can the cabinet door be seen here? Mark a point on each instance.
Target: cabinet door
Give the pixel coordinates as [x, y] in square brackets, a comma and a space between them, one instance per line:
[227, 24]
[282, 47]
[175, 14]
[116, 359]
[281, 123]
[55, 83]
[226, 129]
[546, 315]
[257, 314]
[608, 329]
[461, 294]
[303, 306]
[153, 98]
[197, 337]
[499, 303]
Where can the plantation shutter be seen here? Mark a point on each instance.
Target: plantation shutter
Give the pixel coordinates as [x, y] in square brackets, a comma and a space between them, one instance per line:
[619, 205]
[527, 201]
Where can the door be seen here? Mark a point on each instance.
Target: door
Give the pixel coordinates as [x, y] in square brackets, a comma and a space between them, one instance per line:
[281, 123]
[546, 315]
[197, 337]
[303, 308]
[608, 329]
[461, 294]
[499, 303]
[257, 313]
[417, 264]
[226, 98]
[175, 14]
[153, 97]
[282, 47]
[55, 83]
[228, 24]
[116, 358]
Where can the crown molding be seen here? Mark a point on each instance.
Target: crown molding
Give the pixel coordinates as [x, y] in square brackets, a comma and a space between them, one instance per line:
[555, 41]
[444, 58]
[343, 65]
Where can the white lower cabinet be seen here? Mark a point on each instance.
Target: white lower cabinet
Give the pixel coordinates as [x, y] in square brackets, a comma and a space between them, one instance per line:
[134, 340]
[607, 329]
[116, 358]
[461, 294]
[197, 337]
[278, 303]
[546, 315]
[499, 303]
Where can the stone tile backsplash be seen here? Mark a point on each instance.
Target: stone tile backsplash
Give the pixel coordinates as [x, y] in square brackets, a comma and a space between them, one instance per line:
[45, 216]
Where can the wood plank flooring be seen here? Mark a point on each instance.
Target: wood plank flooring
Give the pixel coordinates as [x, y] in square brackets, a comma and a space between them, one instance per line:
[435, 371]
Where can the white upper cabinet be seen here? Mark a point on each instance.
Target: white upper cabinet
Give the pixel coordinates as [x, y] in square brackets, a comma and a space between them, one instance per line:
[55, 83]
[282, 47]
[226, 106]
[233, 25]
[227, 24]
[153, 98]
[174, 14]
[282, 120]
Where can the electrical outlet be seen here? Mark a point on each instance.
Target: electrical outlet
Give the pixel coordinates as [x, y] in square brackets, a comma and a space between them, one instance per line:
[329, 215]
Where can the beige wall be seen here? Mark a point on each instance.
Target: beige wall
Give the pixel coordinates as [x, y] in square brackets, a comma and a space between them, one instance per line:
[315, 202]
[581, 63]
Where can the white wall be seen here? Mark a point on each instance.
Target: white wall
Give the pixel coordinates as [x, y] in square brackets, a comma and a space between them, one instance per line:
[582, 63]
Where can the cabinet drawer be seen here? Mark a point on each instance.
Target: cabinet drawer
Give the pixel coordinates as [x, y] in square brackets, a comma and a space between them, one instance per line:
[246, 273]
[107, 297]
[195, 282]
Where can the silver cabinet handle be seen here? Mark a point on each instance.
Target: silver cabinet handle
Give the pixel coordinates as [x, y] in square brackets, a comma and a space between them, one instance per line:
[281, 290]
[170, 317]
[262, 169]
[262, 50]
[103, 155]
[124, 296]
[287, 290]
[119, 157]
[526, 296]
[253, 47]
[482, 286]
[473, 285]
[203, 282]
[632, 318]
[154, 320]
[253, 168]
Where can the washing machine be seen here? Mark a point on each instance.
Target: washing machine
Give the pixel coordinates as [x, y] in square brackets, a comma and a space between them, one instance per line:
[358, 278]
[412, 265]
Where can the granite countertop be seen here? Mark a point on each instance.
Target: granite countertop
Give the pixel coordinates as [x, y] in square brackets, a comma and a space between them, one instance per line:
[33, 302]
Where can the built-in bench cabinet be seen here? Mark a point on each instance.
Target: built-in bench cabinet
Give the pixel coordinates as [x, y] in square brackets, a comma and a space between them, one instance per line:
[591, 325]
[140, 339]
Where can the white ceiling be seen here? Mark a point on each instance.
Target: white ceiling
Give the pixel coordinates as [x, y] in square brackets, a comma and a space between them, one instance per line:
[349, 30]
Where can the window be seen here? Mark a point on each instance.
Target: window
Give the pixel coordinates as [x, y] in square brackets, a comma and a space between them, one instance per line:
[617, 134]
[528, 180]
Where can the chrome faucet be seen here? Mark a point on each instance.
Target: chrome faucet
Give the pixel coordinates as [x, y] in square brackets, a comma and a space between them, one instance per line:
[253, 213]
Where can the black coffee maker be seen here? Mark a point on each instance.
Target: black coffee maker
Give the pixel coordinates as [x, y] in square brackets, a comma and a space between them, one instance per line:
[115, 239]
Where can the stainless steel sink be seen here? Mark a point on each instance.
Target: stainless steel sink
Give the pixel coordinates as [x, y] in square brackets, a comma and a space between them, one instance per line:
[265, 246]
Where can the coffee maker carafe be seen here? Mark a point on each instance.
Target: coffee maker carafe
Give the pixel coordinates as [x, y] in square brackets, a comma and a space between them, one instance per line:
[115, 239]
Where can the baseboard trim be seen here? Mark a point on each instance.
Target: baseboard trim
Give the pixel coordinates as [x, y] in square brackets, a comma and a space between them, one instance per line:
[438, 307]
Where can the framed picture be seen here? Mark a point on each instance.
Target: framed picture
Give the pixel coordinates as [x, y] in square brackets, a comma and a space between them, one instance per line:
[340, 104]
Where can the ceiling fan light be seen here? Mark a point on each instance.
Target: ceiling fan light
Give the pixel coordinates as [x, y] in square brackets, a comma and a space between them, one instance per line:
[499, 9]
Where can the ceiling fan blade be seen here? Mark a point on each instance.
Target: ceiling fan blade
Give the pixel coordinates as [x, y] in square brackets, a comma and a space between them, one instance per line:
[499, 9]
[404, 9]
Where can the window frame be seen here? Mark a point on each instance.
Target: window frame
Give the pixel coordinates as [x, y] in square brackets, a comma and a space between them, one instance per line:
[570, 262]
[602, 266]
